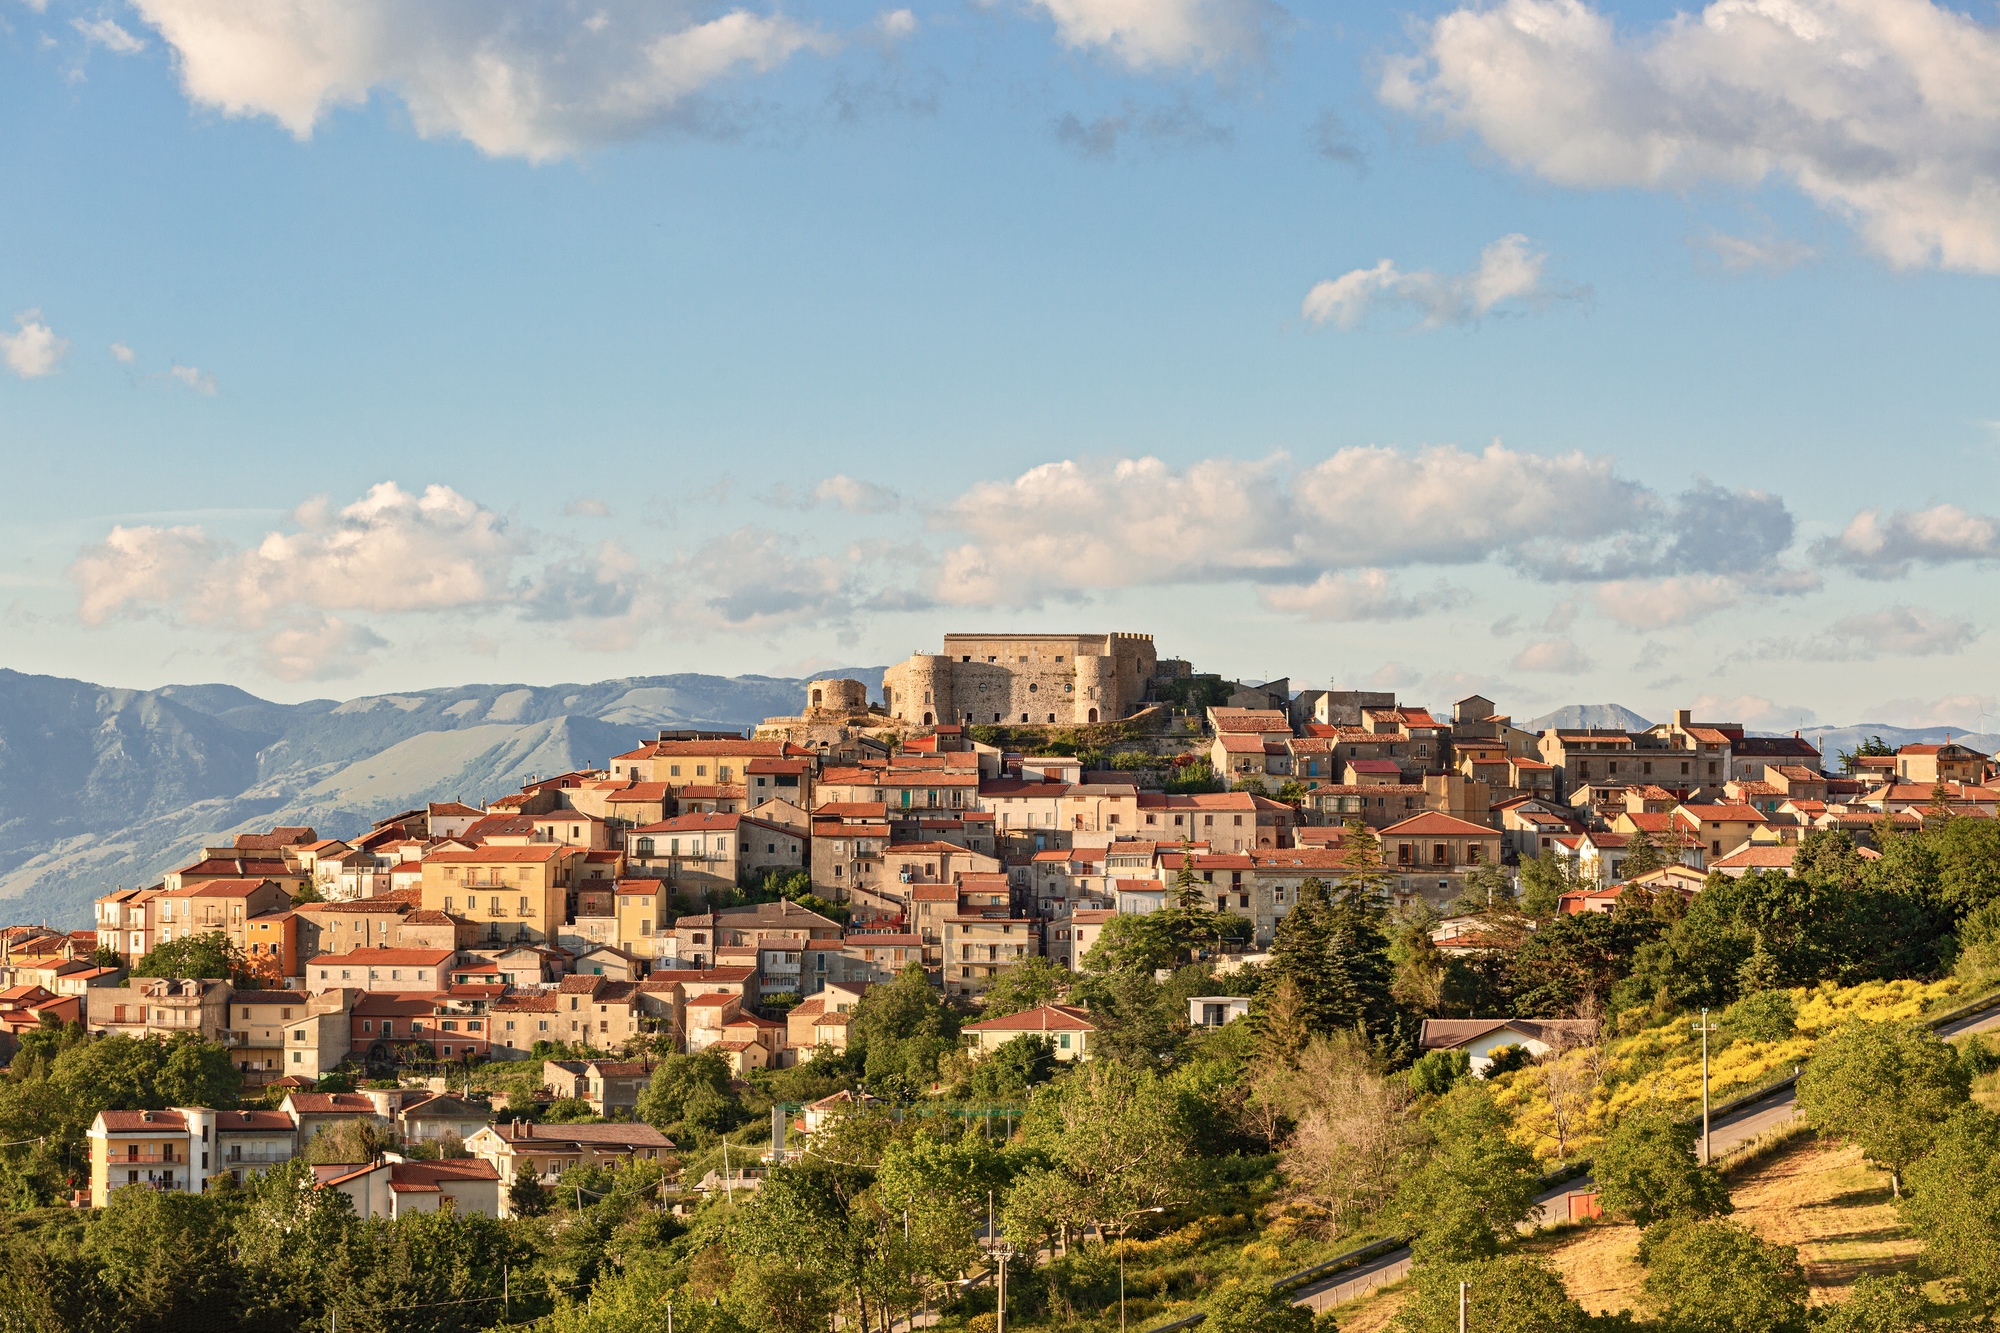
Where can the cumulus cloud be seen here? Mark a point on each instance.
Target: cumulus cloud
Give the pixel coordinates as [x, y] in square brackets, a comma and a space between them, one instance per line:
[1557, 656]
[122, 354]
[896, 24]
[1509, 276]
[1369, 594]
[33, 349]
[1965, 711]
[1169, 34]
[1894, 631]
[389, 551]
[587, 507]
[1684, 599]
[1074, 526]
[1884, 548]
[1882, 111]
[194, 378]
[1752, 710]
[580, 588]
[107, 34]
[328, 649]
[517, 78]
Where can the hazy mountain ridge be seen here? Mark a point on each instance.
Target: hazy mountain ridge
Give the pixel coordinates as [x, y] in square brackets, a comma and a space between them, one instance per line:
[102, 786]
[1589, 717]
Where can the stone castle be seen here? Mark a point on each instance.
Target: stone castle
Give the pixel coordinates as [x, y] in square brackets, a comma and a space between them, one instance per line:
[1026, 679]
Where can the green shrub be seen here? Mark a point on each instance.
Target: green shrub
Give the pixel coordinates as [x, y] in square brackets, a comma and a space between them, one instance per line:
[1769, 1015]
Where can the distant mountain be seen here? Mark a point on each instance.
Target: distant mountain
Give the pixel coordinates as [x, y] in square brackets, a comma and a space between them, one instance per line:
[1832, 740]
[103, 786]
[1584, 717]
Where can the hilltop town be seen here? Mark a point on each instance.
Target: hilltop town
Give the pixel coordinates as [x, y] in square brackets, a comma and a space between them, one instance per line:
[990, 842]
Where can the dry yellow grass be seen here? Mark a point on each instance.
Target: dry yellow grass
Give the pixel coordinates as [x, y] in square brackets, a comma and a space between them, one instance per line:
[1599, 1266]
[1835, 1207]
[1372, 1313]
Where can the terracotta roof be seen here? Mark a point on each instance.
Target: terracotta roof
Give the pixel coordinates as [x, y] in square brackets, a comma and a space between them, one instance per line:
[1757, 858]
[1042, 1018]
[385, 958]
[1443, 1034]
[485, 855]
[330, 1103]
[636, 1134]
[1434, 824]
[157, 1122]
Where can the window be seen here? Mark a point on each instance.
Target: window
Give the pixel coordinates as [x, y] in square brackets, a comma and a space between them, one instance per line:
[674, 770]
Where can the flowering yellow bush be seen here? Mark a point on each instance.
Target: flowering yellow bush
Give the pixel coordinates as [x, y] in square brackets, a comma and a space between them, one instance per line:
[1565, 1107]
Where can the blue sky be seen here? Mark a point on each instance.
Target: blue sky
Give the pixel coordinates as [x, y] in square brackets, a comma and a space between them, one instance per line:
[762, 339]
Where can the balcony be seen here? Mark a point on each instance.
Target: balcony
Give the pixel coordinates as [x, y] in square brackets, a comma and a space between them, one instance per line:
[257, 1158]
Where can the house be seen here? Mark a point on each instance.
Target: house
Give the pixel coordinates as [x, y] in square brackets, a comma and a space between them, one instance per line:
[1428, 855]
[1067, 1028]
[431, 1117]
[1752, 857]
[1931, 764]
[315, 1112]
[156, 1007]
[247, 1142]
[598, 1012]
[395, 1187]
[1720, 829]
[719, 849]
[518, 1148]
[415, 971]
[615, 1085]
[1214, 1011]
[153, 1149]
[1482, 1038]
[512, 894]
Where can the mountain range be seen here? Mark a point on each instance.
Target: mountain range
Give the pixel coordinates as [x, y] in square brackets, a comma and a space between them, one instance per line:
[102, 786]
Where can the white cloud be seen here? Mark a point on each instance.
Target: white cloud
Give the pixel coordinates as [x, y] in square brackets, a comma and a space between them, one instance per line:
[198, 380]
[896, 23]
[1558, 656]
[1898, 631]
[107, 34]
[34, 350]
[1071, 526]
[389, 551]
[1663, 603]
[328, 649]
[587, 507]
[1740, 254]
[1509, 274]
[1884, 548]
[517, 78]
[122, 354]
[856, 497]
[1148, 34]
[1894, 631]
[1368, 594]
[1885, 112]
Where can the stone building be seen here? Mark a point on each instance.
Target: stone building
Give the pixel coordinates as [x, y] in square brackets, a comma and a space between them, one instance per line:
[1023, 679]
[836, 710]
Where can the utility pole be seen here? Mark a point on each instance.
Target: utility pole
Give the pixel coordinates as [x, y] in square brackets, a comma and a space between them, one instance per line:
[1704, 1027]
[506, 1297]
[727, 1183]
[1000, 1324]
[1461, 1307]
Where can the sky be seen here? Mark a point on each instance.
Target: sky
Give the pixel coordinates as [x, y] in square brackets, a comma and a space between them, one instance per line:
[1564, 352]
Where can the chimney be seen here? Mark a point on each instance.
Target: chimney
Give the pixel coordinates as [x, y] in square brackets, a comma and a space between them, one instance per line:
[1683, 717]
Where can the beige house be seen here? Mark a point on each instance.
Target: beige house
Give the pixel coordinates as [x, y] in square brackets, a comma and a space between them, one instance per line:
[713, 849]
[977, 949]
[518, 1148]
[510, 893]
[396, 1187]
[1066, 1027]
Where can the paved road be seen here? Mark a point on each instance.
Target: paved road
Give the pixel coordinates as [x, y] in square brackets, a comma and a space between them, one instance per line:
[1726, 1133]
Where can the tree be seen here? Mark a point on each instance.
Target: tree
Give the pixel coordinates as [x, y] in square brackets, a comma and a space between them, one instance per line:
[1435, 1071]
[1890, 1303]
[1717, 1277]
[1872, 748]
[1252, 1307]
[1351, 1129]
[106, 956]
[1018, 1064]
[1487, 888]
[195, 1072]
[166, 1254]
[1334, 953]
[1545, 879]
[308, 893]
[1111, 1141]
[1511, 1295]
[192, 956]
[679, 1081]
[1953, 1204]
[526, 1196]
[1280, 1017]
[1647, 1172]
[903, 1029]
[1362, 872]
[1028, 984]
[1476, 1185]
[1575, 960]
[1642, 857]
[1884, 1087]
[349, 1141]
[941, 1184]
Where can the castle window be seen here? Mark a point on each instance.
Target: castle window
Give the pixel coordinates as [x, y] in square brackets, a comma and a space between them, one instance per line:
[1058, 657]
[1032, 687]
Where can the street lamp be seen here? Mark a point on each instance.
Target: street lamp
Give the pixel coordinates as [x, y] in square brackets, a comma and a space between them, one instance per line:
[1124, 1227]
[1704, 1028]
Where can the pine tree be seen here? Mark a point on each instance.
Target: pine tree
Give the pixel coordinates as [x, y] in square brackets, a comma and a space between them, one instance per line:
[1356, 970]
[1190, 894]
[1282, 1028]
[1642, 857]
[1939, 812]
[1363, 874]
[1759, 971]
[1298, 948]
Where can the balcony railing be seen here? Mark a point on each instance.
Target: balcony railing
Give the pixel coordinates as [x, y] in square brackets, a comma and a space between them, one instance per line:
[258, 1158]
